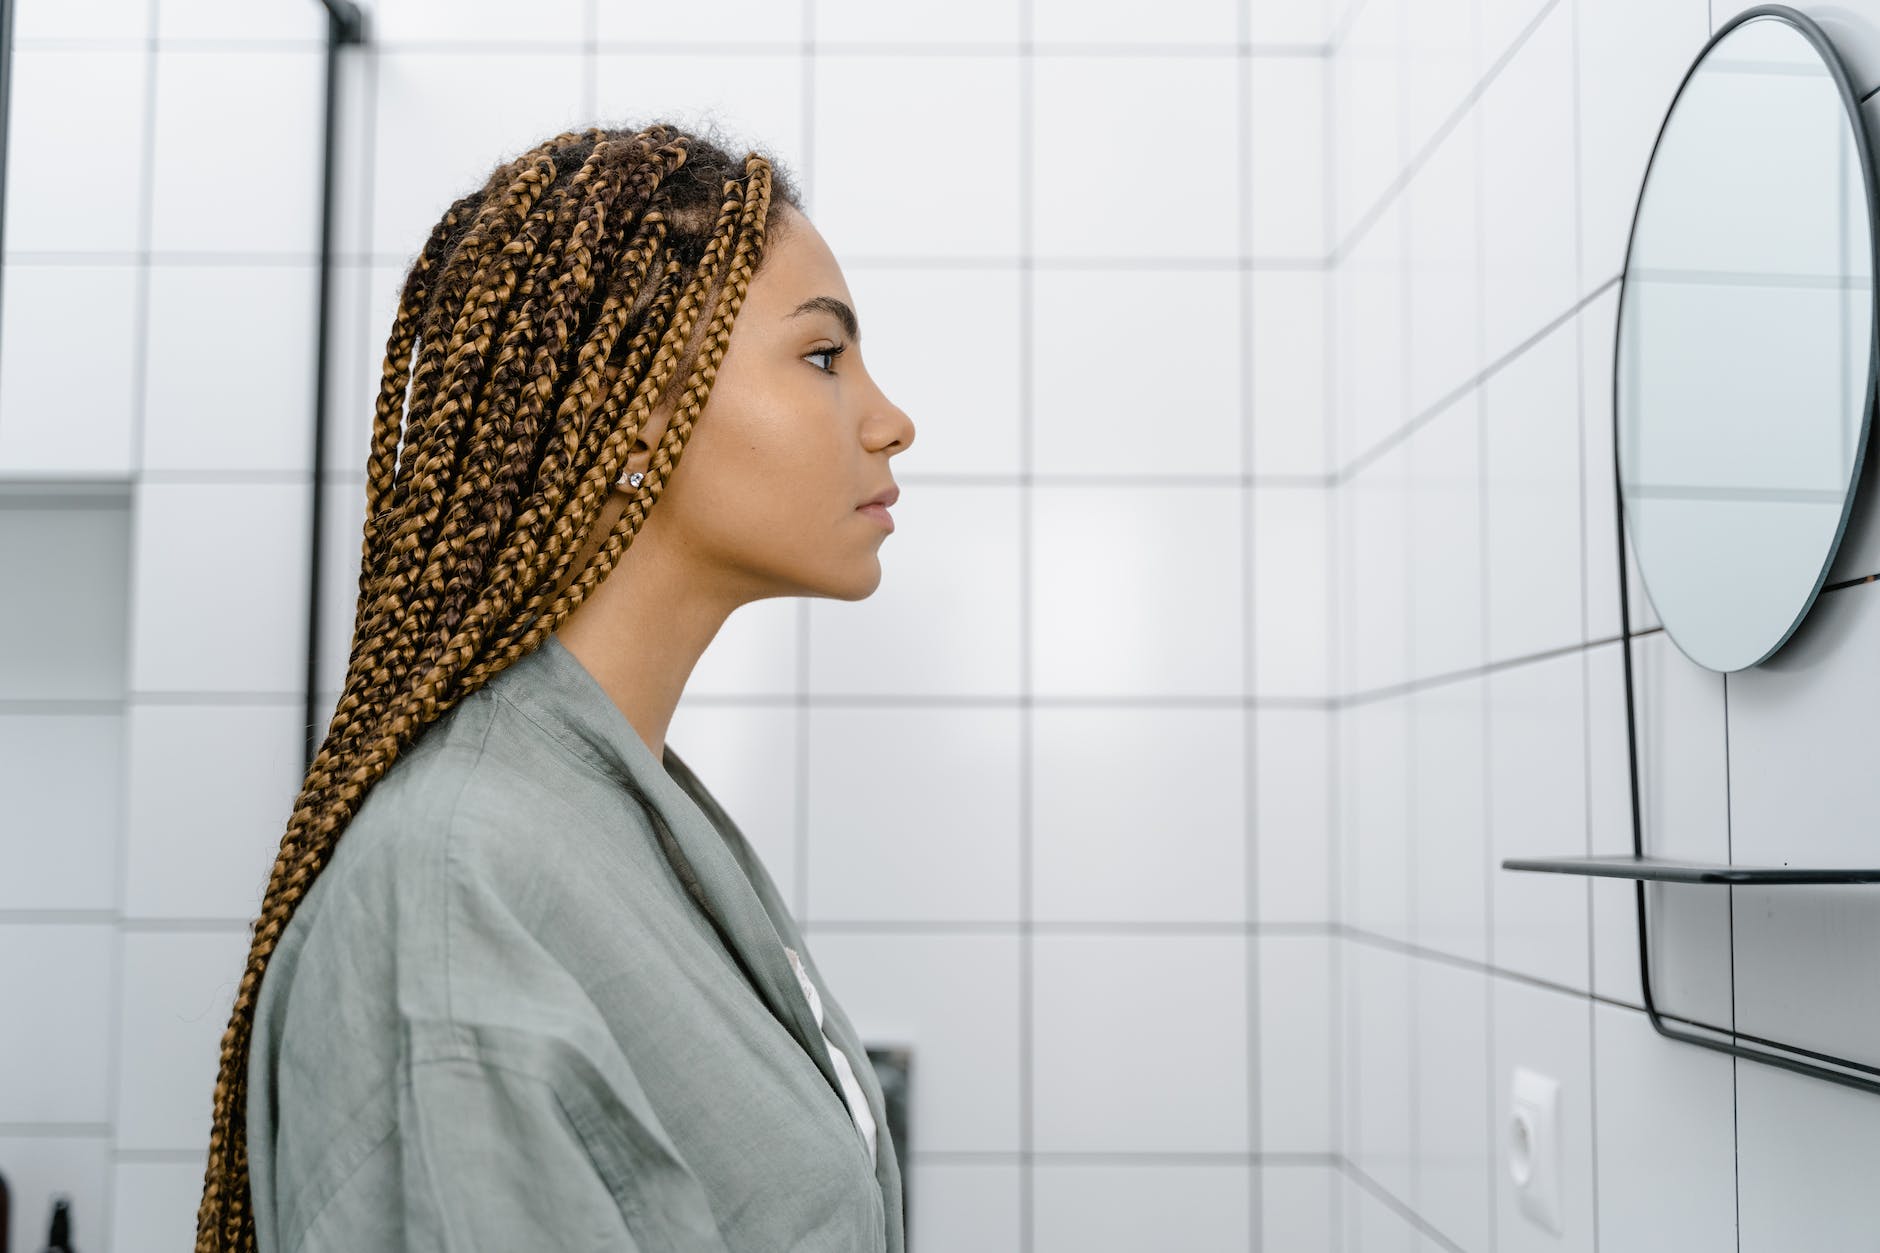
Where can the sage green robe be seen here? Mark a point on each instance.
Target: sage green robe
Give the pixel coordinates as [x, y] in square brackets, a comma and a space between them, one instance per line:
[539, 999]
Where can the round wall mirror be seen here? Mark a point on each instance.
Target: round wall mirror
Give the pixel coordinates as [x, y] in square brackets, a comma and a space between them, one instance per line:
[1744, 364]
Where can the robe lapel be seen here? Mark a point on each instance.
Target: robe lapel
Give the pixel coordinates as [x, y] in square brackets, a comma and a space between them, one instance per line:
[887, 1167]
[553, 685]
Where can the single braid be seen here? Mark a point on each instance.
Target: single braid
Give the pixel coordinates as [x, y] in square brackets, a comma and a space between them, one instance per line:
[546, 317]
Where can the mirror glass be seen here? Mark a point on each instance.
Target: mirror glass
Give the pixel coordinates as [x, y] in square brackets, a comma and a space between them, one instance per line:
[1746, 344]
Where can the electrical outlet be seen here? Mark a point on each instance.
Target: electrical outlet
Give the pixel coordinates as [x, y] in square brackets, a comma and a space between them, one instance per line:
[1534, 1147]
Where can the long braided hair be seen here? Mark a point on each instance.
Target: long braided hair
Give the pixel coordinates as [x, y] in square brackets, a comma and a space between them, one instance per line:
[550, 312]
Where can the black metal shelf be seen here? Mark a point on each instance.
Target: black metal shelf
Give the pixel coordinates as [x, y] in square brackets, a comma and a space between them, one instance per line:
[1674, 870]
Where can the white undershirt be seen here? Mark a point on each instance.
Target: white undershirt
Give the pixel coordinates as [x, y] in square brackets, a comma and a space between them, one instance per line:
[851, 1089]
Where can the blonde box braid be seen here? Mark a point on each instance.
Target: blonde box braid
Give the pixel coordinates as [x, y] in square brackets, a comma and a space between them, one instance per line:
[507, 406]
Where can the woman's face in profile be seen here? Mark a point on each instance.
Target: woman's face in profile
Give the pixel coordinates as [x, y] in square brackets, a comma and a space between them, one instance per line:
[794, 437]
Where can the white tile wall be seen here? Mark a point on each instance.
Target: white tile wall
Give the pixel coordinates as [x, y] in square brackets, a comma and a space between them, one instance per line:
[1142, 550]
[1336, 573]
[1526, 127]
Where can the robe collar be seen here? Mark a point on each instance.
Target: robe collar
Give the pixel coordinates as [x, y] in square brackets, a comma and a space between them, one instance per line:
[705, 846]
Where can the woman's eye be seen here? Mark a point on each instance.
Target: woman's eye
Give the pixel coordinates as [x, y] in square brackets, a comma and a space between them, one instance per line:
[831, 353]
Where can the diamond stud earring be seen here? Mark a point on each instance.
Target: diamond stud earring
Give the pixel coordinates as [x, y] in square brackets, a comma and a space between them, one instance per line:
[630, 479]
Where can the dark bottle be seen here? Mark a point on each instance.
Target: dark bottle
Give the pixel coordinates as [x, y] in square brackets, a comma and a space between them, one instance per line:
[59, 1239]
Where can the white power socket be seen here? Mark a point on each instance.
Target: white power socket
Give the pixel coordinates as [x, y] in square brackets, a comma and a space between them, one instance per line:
[1534, 1146]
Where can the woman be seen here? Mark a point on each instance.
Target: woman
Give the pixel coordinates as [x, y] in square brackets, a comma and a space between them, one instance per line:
[542, 994]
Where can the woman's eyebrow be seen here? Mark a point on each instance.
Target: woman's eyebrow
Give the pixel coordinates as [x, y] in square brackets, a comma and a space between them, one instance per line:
[831, 304]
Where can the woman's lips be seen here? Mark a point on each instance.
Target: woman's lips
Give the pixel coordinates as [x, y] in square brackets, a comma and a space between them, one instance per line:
[879, 513]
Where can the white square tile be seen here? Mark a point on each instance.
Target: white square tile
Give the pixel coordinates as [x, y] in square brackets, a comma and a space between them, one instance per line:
[1292, 800]
[1374, 803]
[1548, 1032]
[1368, 119]
[755, 652]
[178, 988]
[447, 120]
[1609, 827]
[1286, 155]
[914, 814]
[1086, 104]
[1099, 396]
[1666, 1137]
[961, 1204]
[154, 1203]
[1444, 520]
[1288, 345]
[1375, 597]
[1296, 1206]
[1799, 784]
[1528, 187]
[1537, 808]
[858, 21]
[1502, 24]
[1292, 563]
[80, 19]
[1455, 1153]
[1443, 272]
[954, 999]
[1440, 67]
[209, 356]
[760, 105]
[56, 973]
[1533, 500]
[1104, 1208]
[867, 106]
[754, 21]
[1292, 21]
[219, 601]
[945, 618]
[1174, 576]
[1806, 1153]
[1380, 997]
[343, 529]
[210, 791]
[47, 426]
[1296, 1057]
[62, 775]
[233, 20]
[1195, 22]
[917, 322]
[1165, 841]
[1630, 60]
[72, 552]
[746, 755]
[54, 95]
[432, 21]
[1100, 1008]
[1376, 1226]
[39, 1169]
[1371, 366]
[1448, 824]
[197, 204]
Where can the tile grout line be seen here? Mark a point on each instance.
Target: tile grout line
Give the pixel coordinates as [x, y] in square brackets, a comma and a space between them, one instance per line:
[1586, 696]
[1487, 795]
[140, 357]
[1254, 949]
[1332, 738]
[1027, 312]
